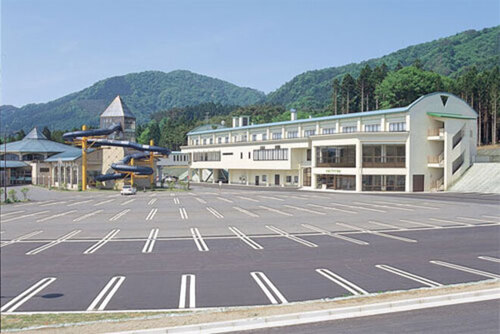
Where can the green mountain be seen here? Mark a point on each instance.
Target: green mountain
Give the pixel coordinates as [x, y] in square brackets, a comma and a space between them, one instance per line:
[448, 56]
[144, 93]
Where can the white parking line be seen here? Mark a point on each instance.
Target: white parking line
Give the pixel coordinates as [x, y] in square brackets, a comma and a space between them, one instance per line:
[54, 203]
[11, 213]
[102, 242]
[409, 205]
[349, 286]
[290, 236]
[251, 214]
[275, 210]
[188, 283]
[128, 202]
[408, 275]
[466, 269]
[384, 225]
[26, 236]
[216, 213]
[335, 235]
[104, 202]
[450, 222]
[119, 214]
[16, 302]
[55, 216]
[384, 206]
[183, 213]
[176, 200]
[150, 242]
[272, 293]
[380, 234]
[202, 201]
[477, 220]
[225, 199]
[87, 215]
[494, 217]
[79, 202]
[103, 298]
[198, 240]
[357, 207]
[489, 258]
[245, 238]
[247, 199]
[53, 243]
[271, 197]
[151, 214]
[356, 228]
[152, 201]
[421, 224]
[330, 208]
[304, 209]
[24, 216]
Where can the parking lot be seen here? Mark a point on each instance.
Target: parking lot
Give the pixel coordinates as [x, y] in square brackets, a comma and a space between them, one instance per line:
[95, 251]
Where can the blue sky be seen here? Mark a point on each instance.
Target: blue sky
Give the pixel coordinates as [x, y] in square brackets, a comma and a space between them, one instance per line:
[54, 47]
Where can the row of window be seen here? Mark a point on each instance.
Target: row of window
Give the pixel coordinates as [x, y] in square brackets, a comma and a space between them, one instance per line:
[270, 154]
[393, 127]
[183, 157]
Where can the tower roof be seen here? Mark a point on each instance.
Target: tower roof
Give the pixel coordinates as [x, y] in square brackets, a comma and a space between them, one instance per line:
[117, 108]
[35, 134]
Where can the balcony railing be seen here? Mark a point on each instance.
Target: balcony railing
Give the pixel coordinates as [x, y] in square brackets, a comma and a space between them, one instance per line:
[435, 159]
[336, 162]
[437, 184]
[384, 162]
[437, 132]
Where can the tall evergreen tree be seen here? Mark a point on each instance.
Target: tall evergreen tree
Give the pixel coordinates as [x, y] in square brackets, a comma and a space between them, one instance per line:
[363, 83]
[494, 90]
[335, 95]
[348, 89]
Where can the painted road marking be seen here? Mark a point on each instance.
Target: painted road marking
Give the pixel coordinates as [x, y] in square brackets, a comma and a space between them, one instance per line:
[128, 202]
[102, 242]
[489, 258]
[251, 214]
[53, 203]
[152, 201]
[53, 243]
[290, 236]
[383, 206]
[80, 202]
[421, 224]
[272, 293]
[409, 205]
[349, 286]
[183, 213]
[408, 275]
[304, 209]
[384, 225]
[26, 236]
[198, 240]
[24, 216]
[188, 283]
[357, 207]
[335, 235]
[103, 298]
[12, 213]
[271, 197]
[150, 242]
[248, 199]
[152, 195]
[330, 208]
[466, 269]
[151, 214]
[245, 238]
[201, 200]
[380, 234]
[216, 213]
[87, 215]
[225, 199]
[494, 217]
[275, 210]
[119, 214]
[356, 228]
[16, 302]
[176, 200]
[104, 202]
[55, 216]
[449, 221]
[477, 220]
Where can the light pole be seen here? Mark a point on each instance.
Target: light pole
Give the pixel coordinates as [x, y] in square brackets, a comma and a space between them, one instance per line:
[5, 164]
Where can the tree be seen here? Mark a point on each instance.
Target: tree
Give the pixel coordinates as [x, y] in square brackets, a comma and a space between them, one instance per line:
[378, 75]
[46, 132]
[335, 95]
[418, 64]
[363, 83]
[494, 88]
[20, 135]
[348, 88]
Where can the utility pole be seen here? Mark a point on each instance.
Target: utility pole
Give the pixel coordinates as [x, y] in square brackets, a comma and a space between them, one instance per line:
[5, 165]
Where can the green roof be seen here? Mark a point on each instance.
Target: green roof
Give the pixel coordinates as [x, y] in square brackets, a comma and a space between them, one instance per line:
[449, 115]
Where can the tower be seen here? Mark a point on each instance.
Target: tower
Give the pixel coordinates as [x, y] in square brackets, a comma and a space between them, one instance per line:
[118, 112]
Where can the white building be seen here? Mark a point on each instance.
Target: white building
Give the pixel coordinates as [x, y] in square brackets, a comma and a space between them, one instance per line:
[425, 146]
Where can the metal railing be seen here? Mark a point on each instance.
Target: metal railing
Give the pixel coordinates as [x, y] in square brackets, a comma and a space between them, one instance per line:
[384, 161]
[435, 159]
[336, 162]
[436, 132]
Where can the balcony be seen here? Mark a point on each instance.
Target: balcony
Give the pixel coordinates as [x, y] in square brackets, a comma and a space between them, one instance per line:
[435, 161]
[384, 162]
[336, 162]
[435, 134]
[437, 185]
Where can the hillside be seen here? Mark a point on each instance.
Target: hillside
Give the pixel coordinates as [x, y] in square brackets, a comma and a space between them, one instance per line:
[144, 93]
[448, 56]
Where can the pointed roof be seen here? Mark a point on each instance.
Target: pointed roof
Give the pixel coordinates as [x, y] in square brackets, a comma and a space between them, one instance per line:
[35, 134]
[117, 108]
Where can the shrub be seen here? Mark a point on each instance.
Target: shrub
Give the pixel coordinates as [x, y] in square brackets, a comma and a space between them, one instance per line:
[24, 191]
[13, 195]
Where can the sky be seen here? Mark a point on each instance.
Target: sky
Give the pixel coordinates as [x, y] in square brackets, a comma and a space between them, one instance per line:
[51, 48]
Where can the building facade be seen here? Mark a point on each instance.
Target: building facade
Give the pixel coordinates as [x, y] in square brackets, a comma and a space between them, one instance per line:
[424, 146]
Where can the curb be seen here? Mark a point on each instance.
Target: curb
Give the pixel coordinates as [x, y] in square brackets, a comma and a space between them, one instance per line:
[328, 315]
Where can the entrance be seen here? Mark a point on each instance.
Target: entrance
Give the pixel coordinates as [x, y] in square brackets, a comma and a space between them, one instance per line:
[337, 182]
[256, 180]
[306, 179]
[276, 179]
[418, 183]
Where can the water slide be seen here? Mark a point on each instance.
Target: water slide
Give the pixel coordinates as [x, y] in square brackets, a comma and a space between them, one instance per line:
[121, 167]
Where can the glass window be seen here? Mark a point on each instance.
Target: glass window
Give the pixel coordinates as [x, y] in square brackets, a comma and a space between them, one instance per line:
[397, 127]
[349, 129]
[296, 179]
[372, 127]
[288, 179]
[264, 178]
[329, 131]
[276, 135]
[308, 133]
[292, 134]
[254, 137]
[211, 141]
[264, 136]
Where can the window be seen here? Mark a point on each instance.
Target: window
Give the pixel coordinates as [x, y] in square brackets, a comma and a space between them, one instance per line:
[197, 142]
[219, 140]
[264, 178]
[206, 156]
[308, 155]
[308, 133]
[296, 179]
[329, 131]
[44, 170]
[249, 155]
[397, 127]
[211, 141]
[241, 155]
[276, 135]
[349, 129]
[292, 134]
[254, 137]
[226, 140]
[227, 153]
[288, 179]
[204, 141]
[336, 156]
[372, 127]
[270, 154]
[243, 137]
[264, 136]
